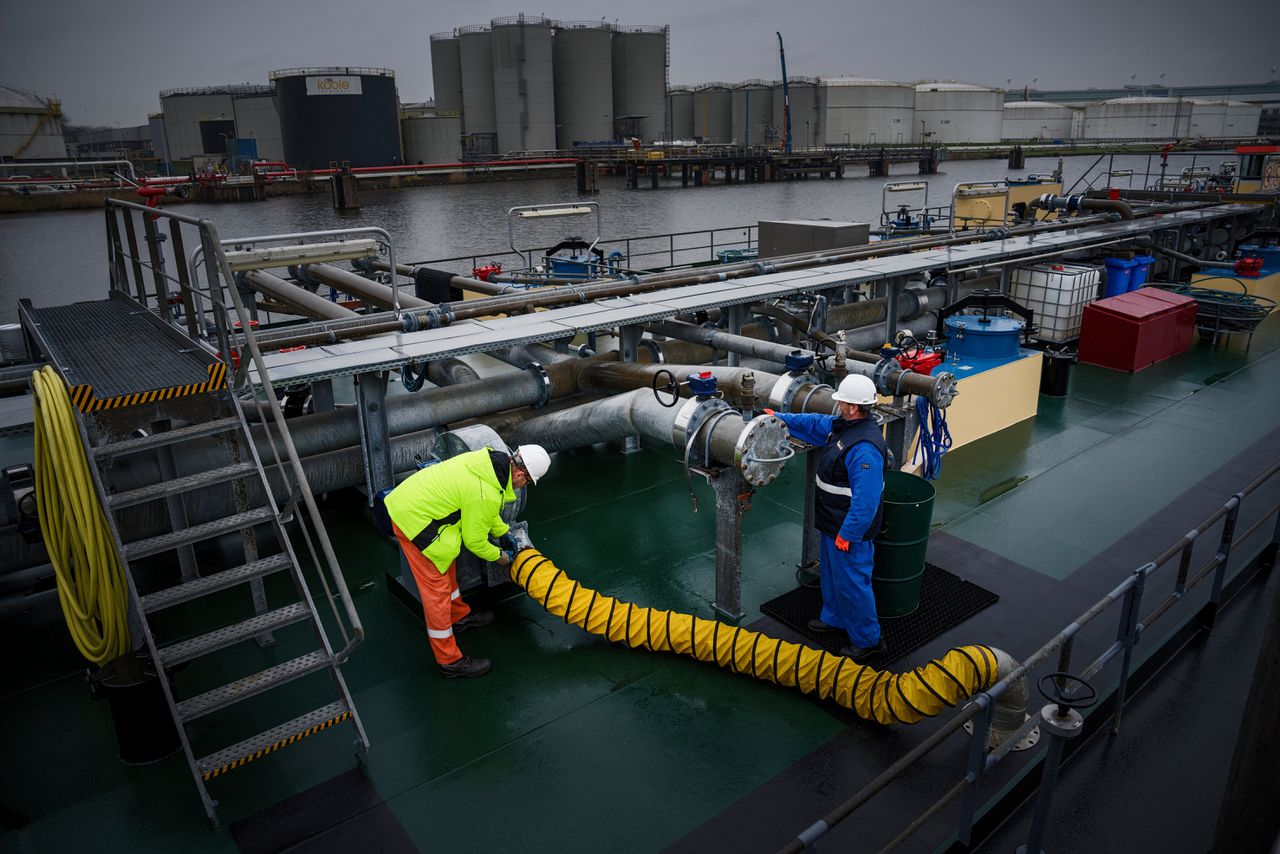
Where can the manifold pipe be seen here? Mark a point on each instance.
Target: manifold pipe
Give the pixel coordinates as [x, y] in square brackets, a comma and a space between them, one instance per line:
[1109, 206]
[444, 372]
[369, 291]
[467, 283]
[300, 299]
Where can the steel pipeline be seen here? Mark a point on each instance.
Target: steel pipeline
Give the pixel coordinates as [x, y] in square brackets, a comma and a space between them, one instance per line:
[374, 293]
[302, 300]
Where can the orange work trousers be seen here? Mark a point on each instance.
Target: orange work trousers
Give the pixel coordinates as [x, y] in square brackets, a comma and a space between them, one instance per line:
[442, 603]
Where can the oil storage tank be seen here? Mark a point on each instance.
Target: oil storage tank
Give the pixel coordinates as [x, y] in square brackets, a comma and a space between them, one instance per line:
[258, 119]
[1137, 117]
[751, 114]
[1043, 120]
[336, 115]
[805, 127]
[865, 111]
[680, 107]
[186, 111]
[430, 136]
[479, 123]
[951, 111]
[1241, 120]
[640, 62]
[713, 113]
[583, 65]
[523, 89]
[30, 126]
[1207, 118]
[446, 72]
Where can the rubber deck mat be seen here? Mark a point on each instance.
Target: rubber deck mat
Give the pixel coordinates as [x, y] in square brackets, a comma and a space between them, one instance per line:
[946, 601]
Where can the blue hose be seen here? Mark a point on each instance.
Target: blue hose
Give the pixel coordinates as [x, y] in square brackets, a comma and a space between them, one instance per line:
[934, 440]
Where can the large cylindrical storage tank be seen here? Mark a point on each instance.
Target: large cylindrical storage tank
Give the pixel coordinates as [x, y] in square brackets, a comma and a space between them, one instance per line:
[1137, 118]
[949, 111]
[680, 105]
[640, 82]
[583, 59]
[1208, 118]
[713, 113]
[258, 118]
[446, 72]
[866, 111]
[751, 115]
[1043, 120]
[805, 127]
[30, 126]
[475, 48]
[1241, 120]
[432, 138]
[186, 110]
[338, 115]
[159, 147]
[523, 88]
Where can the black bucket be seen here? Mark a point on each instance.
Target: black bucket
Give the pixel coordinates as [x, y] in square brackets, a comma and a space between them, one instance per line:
[145, 730]
[1055, 372]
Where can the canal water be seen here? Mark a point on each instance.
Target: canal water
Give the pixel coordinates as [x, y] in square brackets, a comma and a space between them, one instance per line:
[60, 257]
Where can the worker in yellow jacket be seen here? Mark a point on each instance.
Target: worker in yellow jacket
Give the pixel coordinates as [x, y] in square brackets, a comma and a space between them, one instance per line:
[441, 508]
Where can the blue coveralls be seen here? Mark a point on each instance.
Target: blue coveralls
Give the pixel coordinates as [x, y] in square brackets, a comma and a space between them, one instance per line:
[847, 599]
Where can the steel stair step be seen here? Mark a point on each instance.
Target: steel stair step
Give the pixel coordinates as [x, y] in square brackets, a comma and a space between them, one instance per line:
[212, 583]
[227, 635]
[177, 485]
[252, 685]
[169, 437]
[254, 747]
[205, 531]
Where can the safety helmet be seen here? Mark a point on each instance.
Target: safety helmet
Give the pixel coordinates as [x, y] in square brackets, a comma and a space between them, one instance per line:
[534, 459]
[856, 388]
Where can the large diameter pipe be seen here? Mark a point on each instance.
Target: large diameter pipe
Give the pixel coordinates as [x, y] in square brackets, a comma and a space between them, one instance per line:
[367, 290]
[466, 283]
[301, 300]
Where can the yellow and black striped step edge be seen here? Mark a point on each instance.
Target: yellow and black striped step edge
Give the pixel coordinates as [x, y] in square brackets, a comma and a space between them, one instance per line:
[83, 398]
[274, 746]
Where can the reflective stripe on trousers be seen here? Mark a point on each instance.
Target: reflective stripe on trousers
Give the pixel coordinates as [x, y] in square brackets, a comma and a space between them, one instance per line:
[442, 603]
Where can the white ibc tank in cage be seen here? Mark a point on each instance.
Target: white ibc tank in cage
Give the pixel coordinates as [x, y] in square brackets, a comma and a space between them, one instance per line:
[1057, 294]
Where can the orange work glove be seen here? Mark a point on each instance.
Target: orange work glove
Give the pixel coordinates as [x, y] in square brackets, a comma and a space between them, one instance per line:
[768, 411]
[841, 543]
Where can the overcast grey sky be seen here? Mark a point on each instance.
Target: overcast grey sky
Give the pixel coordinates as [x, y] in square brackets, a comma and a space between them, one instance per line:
[108, 61]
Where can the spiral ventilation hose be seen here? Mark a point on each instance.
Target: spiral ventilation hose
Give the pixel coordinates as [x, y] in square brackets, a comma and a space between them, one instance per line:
[876, 695]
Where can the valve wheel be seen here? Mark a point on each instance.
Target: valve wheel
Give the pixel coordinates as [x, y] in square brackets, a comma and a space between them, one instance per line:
[670, 387]
[1053, 687]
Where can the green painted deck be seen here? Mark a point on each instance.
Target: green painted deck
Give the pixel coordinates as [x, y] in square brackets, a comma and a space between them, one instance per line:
[570, 743]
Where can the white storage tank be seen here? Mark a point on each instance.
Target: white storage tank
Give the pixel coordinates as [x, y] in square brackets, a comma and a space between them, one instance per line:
[1137, 117]
[805, 127]
[583, 55]
[680, 106]
[1208, 118]
[1241, 120]
[475, 50]
[865, 111]
[713, 113]
[446, 72]
[258, 119]
[196, 119]
[30, 126]
[751, 113]
[159, 147]
[431, 138]
[640, 60]
[951, 111]
[1039, 120]
[523, 87]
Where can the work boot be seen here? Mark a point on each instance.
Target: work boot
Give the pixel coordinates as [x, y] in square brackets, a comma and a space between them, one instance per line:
[474, 620]
[860, 653]
[465, 668]
[819, 626]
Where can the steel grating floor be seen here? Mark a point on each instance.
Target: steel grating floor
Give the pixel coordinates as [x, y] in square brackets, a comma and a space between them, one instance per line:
[111, 346]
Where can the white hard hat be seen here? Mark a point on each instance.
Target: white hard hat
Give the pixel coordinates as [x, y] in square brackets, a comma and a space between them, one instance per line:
[856, 388]
[534, 459]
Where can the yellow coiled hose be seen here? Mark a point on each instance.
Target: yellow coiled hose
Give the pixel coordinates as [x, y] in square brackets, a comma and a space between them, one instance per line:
[91, 584]
[876, 695]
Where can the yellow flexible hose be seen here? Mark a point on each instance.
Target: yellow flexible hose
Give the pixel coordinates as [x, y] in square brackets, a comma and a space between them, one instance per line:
[876, 695]
[91, 584]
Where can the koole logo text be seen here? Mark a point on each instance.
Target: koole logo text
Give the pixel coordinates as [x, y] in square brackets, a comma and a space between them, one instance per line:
[328, 84]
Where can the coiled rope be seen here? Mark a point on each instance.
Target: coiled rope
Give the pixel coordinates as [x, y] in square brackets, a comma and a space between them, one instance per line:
[934, 440]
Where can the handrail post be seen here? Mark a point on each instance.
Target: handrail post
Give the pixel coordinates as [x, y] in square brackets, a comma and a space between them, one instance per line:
[1060, 727]
[1223, 555]
[1184, 564]
[1127, 635]
[976, 765]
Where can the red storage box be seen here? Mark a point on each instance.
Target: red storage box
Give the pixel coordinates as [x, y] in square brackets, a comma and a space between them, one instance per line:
[1129, 332]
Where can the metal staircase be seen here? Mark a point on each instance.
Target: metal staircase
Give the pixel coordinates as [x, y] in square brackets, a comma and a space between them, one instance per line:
[169, 442]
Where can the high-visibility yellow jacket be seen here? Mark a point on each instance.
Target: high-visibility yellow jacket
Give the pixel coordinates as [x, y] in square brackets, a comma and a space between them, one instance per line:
[466, 483]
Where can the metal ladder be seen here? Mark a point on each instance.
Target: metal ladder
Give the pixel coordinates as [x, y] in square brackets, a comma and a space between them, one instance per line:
[230, 426]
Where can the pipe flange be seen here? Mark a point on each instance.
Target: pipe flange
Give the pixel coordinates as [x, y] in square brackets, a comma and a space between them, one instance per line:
[539, 371]
[302, 272]
[762, 449]
[655, 350]
[880, 375]
[690, 418]
[785, 389]
[944, 389]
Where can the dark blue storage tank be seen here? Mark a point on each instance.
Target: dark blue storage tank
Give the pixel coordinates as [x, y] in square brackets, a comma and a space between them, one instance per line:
[336, 114]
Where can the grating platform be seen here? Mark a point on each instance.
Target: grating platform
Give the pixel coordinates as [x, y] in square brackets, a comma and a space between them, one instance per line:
[946, 601]
[116, 353]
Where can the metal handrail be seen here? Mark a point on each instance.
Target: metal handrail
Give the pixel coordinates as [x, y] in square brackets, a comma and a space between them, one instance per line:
[216, 274]
[1130, 632]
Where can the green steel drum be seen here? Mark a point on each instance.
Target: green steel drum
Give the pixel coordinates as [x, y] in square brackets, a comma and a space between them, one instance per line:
[900, 548]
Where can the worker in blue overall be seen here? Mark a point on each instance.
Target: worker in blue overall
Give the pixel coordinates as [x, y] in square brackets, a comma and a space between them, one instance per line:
[847, 510]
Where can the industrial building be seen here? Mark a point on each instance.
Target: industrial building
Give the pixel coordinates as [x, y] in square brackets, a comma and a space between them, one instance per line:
[950, 111]
[527, 83]
[30, 126]
[864, 110]
[1037, 120]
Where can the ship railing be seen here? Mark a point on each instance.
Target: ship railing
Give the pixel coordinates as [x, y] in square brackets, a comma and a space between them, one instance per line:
[147, 260]
[1133, 626]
